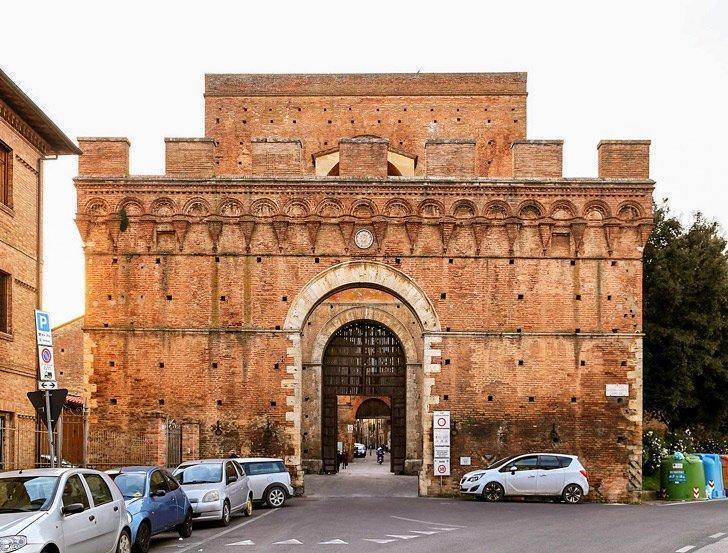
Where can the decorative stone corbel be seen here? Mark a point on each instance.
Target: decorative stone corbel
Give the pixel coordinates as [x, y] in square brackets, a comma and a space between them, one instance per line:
[83, 224]
[413, 230]
[479, 229]
[148, 226]
[346, 228]
[446, 230]
[612, 232]
[247, 227]
[313, 228]
[181, 226]
[545, 231]
[644, 229]
[513, 228]
[577, 231]
[380, 230]
[280, 229]
[113, 227]
[214, 228]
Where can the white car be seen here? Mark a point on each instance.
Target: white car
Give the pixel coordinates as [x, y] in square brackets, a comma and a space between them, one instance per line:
[269, 480]
[65, 509]
[360, 450]
[540, 474]
[216, 488]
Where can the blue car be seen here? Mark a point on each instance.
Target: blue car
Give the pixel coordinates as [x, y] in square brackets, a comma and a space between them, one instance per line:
[156, 503]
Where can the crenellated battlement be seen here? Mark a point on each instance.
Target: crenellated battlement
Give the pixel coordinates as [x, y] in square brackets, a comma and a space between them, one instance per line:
[365, 156]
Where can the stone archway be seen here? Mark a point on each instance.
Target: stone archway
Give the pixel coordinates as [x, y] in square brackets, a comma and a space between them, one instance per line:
[362, 274]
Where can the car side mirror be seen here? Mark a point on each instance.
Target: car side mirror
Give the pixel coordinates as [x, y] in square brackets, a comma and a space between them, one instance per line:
[158, 493]
[513, 471]
[73, 509]
[232, 479]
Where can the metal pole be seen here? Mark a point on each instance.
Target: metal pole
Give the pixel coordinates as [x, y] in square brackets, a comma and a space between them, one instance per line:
[85, 436]
[59, 438]
[50, 427]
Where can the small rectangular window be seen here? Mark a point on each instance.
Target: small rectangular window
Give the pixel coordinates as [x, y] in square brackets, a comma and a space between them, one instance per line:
[6, 159]
[5, 303]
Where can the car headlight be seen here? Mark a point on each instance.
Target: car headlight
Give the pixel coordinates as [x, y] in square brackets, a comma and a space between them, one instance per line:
[209, 497]
[12, 543]
[476, 477]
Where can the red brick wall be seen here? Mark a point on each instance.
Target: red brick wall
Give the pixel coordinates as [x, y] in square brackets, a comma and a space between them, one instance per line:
[104, 156]
[450, 158]
[320, 110]
[68, 350]
[538, 158]
[20, 258]
[360, 157]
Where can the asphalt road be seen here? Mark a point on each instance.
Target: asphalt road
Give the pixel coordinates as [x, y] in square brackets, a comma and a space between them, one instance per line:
[367, 509]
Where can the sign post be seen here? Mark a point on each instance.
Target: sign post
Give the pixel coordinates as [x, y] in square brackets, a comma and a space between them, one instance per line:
[441, 442]
[46, 371]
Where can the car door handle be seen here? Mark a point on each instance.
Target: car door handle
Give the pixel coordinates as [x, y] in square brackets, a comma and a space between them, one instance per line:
[92, 518]
[532, 476]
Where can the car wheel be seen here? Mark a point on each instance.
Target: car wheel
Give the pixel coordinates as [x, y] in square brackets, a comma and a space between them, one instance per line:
[185, 529]
[248, 509]
[225, 520]
[276, 497]
[124, 545]
[143, 538]
[493, 491]
[573, 494]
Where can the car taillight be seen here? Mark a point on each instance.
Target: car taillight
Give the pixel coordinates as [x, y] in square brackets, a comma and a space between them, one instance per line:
[583, 472]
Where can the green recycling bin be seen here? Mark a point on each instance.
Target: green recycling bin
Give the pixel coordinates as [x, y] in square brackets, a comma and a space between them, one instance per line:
[682, 477]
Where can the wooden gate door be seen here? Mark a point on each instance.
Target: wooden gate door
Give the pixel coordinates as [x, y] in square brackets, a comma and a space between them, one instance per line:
[364, 358]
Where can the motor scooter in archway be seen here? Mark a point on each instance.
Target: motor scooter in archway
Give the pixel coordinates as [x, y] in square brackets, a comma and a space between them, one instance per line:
[380, 456]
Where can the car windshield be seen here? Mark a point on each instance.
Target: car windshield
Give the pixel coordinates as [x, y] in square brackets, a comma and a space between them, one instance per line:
[26, 493]
[501, 462]
[131, 484]
[201, 473]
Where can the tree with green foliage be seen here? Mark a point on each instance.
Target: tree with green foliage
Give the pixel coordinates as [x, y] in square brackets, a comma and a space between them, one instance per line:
[686, 323]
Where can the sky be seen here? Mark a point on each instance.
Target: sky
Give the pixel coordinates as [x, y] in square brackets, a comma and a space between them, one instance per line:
[618, 69]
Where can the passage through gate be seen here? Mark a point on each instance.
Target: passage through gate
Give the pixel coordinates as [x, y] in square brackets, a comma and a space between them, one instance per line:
[364, 358]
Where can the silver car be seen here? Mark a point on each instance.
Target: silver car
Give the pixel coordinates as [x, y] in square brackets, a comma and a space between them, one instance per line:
[216, 488]
[269, 479]
[78, 510]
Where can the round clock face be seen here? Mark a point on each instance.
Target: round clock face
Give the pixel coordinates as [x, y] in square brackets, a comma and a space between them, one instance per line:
[364, 239]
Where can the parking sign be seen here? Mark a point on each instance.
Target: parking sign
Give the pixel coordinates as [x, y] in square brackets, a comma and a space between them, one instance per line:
[43, 328]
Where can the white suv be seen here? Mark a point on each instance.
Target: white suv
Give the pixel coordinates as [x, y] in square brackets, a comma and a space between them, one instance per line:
[269, 480]
[541, 474]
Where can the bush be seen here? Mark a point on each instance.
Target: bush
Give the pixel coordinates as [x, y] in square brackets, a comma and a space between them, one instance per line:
[653, 452]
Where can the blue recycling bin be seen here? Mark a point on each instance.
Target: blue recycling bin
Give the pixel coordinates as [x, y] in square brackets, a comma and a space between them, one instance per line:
[713, 468]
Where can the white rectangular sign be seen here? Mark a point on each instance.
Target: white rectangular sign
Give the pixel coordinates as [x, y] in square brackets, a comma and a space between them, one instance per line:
[350, 428]
[441, 437]
[45, 361]
[43, 385]
[465, 461]
[442, 467]
[617, 390]
[441, 419]
[43, 328]
[442, 452]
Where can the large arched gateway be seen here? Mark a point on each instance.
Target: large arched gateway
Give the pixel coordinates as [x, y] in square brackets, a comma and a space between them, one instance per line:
[364, 359]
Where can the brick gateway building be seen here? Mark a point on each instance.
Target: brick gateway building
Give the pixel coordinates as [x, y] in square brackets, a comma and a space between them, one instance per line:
[338, 238]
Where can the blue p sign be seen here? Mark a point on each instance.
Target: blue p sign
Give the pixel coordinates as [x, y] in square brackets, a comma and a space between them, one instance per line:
[42, 321]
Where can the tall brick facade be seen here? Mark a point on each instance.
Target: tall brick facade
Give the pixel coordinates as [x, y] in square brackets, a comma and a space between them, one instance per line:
[27, 136]
[413, 201]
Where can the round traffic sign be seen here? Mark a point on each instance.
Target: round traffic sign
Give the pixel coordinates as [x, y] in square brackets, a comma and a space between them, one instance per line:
[442, 422]
[441, 468]
[46, 355]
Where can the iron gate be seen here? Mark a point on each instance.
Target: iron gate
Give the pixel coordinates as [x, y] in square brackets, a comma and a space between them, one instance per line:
[174, 443]
[364, 358]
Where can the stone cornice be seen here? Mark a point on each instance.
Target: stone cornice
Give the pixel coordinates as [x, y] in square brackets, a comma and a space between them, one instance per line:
[23, 129]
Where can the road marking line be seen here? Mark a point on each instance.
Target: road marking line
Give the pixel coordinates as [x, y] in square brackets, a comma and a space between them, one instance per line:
[231, 529]
[685, 549]
[288, 542]
[427, 522]
[716, 536]
[424, 532]
[244, 542]
[378, 540]
[401, 536]
[334, 542]
[446, 529]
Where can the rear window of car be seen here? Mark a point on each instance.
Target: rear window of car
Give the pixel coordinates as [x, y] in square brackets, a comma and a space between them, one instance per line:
[549, 462]
[264, 467]
[565, 461]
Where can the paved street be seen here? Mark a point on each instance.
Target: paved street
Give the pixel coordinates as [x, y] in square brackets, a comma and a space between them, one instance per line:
[367, 509]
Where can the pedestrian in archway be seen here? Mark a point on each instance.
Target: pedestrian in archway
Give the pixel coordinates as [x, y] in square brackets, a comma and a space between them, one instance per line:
[345, 457]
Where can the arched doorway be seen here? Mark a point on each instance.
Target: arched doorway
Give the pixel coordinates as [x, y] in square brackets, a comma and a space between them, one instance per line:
[364, 358]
